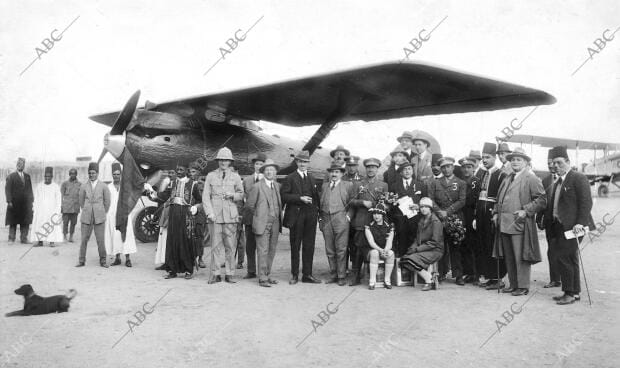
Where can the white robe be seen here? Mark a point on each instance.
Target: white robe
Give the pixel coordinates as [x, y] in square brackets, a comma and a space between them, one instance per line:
[47, 209]
[113, 242]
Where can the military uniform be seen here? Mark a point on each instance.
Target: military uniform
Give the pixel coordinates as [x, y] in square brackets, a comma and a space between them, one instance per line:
[471, 236]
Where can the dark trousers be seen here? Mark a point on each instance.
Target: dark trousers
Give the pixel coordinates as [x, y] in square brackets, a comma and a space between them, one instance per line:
[405, 231]
[302, 235]
[250, 249]
[357, 257]
[351, 247]
[469, 248]
[456, 260]
[240, 244]
[552, 256]
[68, 223]
[23, 232]
[487, 265]
[567, 259]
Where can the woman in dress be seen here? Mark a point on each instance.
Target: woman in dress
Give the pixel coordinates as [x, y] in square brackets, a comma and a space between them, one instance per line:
[428, 246]
[379, 237]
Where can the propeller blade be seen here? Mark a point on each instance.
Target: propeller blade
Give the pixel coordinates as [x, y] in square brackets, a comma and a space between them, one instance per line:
[125, 116]
[103, 152]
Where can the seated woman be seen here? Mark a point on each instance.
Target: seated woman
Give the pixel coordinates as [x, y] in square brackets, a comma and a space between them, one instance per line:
[428, 246]
[379, 235]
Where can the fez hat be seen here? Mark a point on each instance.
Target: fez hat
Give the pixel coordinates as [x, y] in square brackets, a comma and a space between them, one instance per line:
[372, 162]
[489, 148]
[49, 170]
[116, 166]
[475, 154]
[352, 160]
[518, 152]
[224, 154]
[93, 166]
[303, 156]
[559, 151]
[405, 134]
[259, 157]
[503, 147]
[269, 162]
[426, 202]
[398, 150]
[335, 166]
[379, 208]
[339, 148]
[446, 161]
[403, 166]
[421, 136]
[435, 158]
[467, 161]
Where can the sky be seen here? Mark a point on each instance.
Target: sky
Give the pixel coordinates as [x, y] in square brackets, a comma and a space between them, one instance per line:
[113, 48]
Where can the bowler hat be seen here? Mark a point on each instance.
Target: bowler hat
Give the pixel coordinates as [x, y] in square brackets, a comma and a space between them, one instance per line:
[269, 162]
[339, 148]
[518, 152]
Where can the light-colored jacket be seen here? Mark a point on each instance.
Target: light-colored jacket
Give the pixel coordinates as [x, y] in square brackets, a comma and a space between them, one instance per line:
[526, 192]
[94, 203]
[258, 203]
[225, 210]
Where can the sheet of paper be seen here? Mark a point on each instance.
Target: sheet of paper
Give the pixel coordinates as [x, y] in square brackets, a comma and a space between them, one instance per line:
[404, 204]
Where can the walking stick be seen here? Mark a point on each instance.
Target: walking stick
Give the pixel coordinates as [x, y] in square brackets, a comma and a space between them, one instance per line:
[583, 269]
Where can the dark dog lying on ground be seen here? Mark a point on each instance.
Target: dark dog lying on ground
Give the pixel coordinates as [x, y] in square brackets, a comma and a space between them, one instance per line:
[34, 304]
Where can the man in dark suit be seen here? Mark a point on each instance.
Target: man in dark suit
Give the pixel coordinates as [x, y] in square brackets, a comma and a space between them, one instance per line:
[568, 208]
[548, 181]
[391, 175]
[301, 200]
[470, 267]
[406, 228]
[264, 206]
[19, 199]
[250, 241]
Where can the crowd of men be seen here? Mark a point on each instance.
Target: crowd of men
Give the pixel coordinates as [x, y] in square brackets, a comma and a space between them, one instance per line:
[410, 217]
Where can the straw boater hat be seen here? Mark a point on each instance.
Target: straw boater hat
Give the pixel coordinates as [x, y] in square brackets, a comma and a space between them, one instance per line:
[503, 147]
[116, 166]
[406, 135]
[518, 152]
[446, 161]
[335, 166]
[303, 156]
[269, 162]
[379, 208]
[340, 148]
[259, 157]
[224, 154]
[372, 162]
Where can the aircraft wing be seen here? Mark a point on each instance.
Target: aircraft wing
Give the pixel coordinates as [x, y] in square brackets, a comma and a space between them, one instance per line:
[568, 143]
[384, 91]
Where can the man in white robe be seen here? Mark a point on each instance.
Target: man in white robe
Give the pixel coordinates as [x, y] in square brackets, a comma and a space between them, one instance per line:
[47, 224]
[114, 243]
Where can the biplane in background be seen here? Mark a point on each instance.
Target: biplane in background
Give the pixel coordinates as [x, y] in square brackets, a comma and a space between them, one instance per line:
[602, 172]
[159, 135]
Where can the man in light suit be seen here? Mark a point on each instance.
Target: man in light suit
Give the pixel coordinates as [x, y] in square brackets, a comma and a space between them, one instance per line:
[95, 203]
[568, 208]
[334, 222]
[264, 205]
[520, 197]
[422, 161]
[250, 241]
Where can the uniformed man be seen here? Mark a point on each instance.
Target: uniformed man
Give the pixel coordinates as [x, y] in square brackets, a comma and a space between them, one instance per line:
[435, 168]
[502, 152]
[406, 227]
[70, 191]
[367, 193]
[449, 194]
[470, 244]
[493, 270]
[390, 175]
[352, 169]
[422, 161]
[250, 240]
[222, 188]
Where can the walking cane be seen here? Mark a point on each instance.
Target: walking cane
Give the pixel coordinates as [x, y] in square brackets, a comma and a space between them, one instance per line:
[583, 269]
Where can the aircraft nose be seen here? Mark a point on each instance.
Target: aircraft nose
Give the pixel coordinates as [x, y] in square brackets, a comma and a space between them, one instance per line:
[114, 142]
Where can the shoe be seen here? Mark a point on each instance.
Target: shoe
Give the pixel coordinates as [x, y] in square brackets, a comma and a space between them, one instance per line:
[558, 297]
[52, 245]
[229, 279]
[188, 276]
[566, 299]
[272, 281]
[371, 287]
[240, 266]
[508, 290]
[388, 286]
[469, 279]
[116, 262]
[201, 264]
[160, 268]
[293, 280]
[104, 265]
[427, 287]
[553, 284]
[342, 282]
[495, 286]
[577, 297]
[264, 283]
[460, 281]
[355, 280]
[80, 264]
[333, 280]
[310, 279]
[38, 244]
[520, 291]
[214, 279]
[71, 238]
[250, 275]
[128, 263]
[170, 275]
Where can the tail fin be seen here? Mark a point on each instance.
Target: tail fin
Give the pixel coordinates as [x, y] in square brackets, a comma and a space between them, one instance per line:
[71, 294]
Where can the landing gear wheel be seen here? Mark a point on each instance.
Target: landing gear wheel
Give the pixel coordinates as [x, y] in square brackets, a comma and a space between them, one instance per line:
[603, 191]
[146, 228]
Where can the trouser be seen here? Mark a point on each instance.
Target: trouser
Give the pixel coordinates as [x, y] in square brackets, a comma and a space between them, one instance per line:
[266, 244]
[456, 259]
[23, 232]
[567, 259]
[487, 265]
[250, 248]
[86, 230]
[223, 239]
[468, 248]
[68, 223]
[518, 270]
[552, 256]
[359, 239]
[198, 239]
[405, 232]
[336, 234]
[351, 247]
[240, 244]
[302, 235]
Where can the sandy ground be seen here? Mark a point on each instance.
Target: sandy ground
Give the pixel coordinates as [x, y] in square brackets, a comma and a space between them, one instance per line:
[242, 325]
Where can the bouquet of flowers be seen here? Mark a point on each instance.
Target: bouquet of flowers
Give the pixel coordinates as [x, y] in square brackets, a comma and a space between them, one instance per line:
[387, 198]
[455, 229]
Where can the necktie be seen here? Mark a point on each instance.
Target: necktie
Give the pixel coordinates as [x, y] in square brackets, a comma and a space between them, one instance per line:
[223, 174]
[21, 176]
[332, 185]
[255, 178]
[556, 196]
[406, 184]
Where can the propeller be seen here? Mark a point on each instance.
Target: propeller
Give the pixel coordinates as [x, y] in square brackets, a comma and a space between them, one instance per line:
[114, 137]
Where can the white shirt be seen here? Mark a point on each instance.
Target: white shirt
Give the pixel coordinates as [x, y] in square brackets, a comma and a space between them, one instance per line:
[302, 173]
[93, 184]
[407, 182]
[269, 183]
[332, 184]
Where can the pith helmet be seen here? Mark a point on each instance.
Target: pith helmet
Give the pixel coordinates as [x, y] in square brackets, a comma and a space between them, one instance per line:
[224, 154]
